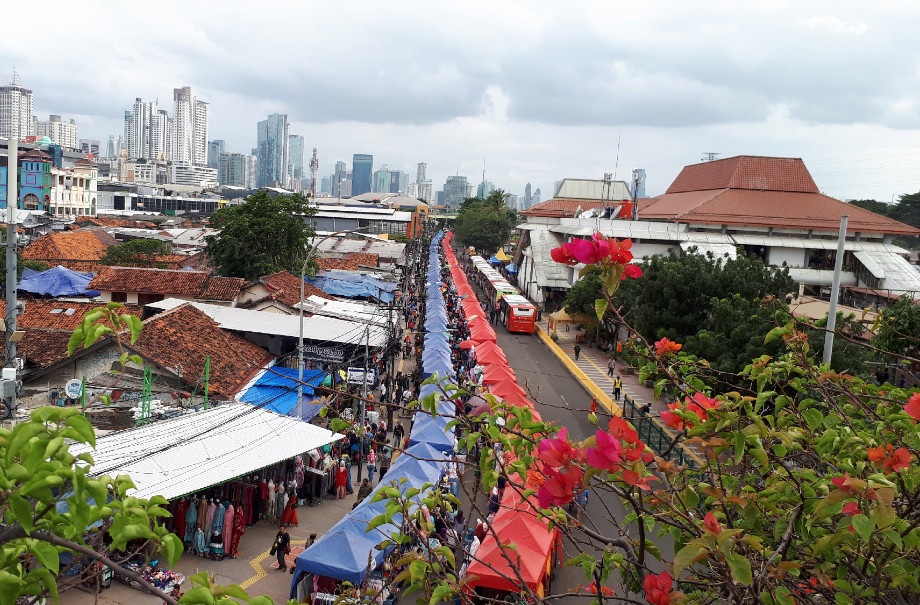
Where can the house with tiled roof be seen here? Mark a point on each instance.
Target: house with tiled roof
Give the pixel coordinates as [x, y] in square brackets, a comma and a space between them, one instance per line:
[76, 250]
[176, 345]
[764, 206]
[277, 293]
[142, 286]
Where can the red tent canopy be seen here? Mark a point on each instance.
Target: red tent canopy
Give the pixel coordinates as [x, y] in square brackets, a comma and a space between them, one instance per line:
[507, 389]
[494, 374]
[489, 356]
[482, 332]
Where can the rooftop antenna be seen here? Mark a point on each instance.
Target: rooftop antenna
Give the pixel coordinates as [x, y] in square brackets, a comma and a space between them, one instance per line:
[709, 156]
[15, 80]
[617, 164]
[483, 176]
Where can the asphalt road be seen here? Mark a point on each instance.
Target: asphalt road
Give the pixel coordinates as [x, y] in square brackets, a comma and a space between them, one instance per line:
[561, 399]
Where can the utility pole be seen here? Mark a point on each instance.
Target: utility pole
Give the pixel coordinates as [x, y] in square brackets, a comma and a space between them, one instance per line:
[835, 292]
[10, 379]
[363, 412]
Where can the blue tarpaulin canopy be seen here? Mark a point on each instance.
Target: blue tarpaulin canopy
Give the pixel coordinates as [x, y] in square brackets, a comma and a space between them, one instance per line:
[354, 285]
[58, 281]
[511, 268]
[495, 261]
[276, 390]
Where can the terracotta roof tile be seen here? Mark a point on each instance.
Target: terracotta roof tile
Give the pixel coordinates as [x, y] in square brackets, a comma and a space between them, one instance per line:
[83, 245]
[187, 336]
[285, 286]
[352, 262]
[195, 284]
[565, 208]
[60, 315]
[44, 347]
[746, 172]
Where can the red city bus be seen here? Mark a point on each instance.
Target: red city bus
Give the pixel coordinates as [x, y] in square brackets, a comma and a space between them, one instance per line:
[518, 315]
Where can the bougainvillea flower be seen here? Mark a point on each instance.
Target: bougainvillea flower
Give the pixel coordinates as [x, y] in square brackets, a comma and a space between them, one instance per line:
[913, 406]
[632, 478]
[658, 588]
[607, 454]
[563, 255]
[557, 452]
[698, 405]
[851, 508]
[712, 524]
[845, 484]
[631, 271]
[619, 251]
[589, 251]
[559, 486]
[666, 347]
[890, 458]
[620, 429]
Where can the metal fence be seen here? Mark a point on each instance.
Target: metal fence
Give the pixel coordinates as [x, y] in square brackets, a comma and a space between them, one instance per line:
[656, 435]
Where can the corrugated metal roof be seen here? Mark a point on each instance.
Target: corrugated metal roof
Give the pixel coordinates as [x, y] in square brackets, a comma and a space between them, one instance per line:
[897, 273]
[183, 455]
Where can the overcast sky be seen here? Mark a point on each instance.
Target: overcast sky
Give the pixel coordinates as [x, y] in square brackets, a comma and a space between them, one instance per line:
[540, 91]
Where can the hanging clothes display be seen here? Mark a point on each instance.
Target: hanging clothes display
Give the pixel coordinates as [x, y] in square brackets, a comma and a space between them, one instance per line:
[191, 521]
[179, 515]
[202, 513]
[228, 524]
[209, 518]
[239, 528]
[217, 525]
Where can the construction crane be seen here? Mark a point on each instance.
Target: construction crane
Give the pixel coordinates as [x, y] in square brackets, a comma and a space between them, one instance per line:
[314, 166]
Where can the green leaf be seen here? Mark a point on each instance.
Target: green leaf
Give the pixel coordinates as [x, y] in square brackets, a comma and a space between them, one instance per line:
[741, 569]
[47, 555]
[76, 339]
[863, 526]
[199, 594]
[814, 418]
[895, 538]
[441, 592]
[134, 324]
[22, 511]
[232, 590]
[776, 333]
[600, 307]
[687, 555]
[84, 428]
[690, 497]
[417, 570]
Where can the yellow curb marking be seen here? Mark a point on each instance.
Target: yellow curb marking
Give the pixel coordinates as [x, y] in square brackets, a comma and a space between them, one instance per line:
[260, 573]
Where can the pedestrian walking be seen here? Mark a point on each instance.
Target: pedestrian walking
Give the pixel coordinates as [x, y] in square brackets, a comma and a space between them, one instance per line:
[340, 480]
[371, 465]
[611, 366]
[577, 351]
[594, 405]
[281, 547]
[617, 385]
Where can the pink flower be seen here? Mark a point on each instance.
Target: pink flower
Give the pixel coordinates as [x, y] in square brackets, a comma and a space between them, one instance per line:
[563, 255]
[712, 524]
[557, 452]
[607, 454]
[632, 478]
[913, 406]
[559, 486]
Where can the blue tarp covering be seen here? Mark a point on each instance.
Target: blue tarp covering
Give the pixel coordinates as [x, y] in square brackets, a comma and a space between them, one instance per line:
[58, 281]
[494, 261]
[279, 393]
[353, 285]
[511, 268]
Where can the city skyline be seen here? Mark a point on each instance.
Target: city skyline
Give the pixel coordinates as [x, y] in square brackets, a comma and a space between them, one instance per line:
[555, 96]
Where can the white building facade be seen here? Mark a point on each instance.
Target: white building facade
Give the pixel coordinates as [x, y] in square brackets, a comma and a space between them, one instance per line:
[16, 108]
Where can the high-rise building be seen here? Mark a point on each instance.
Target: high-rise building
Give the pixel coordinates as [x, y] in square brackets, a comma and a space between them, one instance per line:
[381, 182]
[394, 181]
[403, 181]
[484, 189]
[527, 197]
[424, 191]
[295, 157]
[111, 147]
[236, 170]
[161, 139]
[637, 185]
[556, 187]
[362, 167]
[91, 146]
[420, 172]
[535, 198]
[148, 132]
[456, 189]
[215, 148]
[60, 132]
[338, 178]
[16, 110]
[273, 151]
[190, 127]
[325, 184]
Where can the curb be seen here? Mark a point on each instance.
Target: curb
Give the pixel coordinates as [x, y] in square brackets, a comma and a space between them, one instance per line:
[579, 375]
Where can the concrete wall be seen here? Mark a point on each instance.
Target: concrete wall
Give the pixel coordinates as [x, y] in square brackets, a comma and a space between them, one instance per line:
[794, 257]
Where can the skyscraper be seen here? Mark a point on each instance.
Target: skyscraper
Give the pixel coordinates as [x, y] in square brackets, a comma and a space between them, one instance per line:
[527, 196]
[382, 180]
[455, 191]
[60, 132]
[295, 157]
[420, 173]
[148, 131]
[16, 110]
[236, 169]
[190, 126]
[338, 178]
[273, 151]
[637, 185]
[535, 198]
[484, 189]
[215, 148]
[111, 148]
[362, 167]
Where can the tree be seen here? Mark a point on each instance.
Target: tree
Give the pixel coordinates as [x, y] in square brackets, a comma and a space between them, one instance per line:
[898, 328]
[486, 224]
[265, 234]
[581, 296]
[136, 253]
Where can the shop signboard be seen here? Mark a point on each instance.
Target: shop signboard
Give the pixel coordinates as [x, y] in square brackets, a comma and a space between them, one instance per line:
[357, 376]
[324, 354]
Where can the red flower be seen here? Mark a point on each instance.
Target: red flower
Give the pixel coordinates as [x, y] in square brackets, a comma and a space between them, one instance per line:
[607, 454]
[896, 460]
[632, 478]
[619, 251]
[711, 524]
[658, 588]
[851, 508]
[698, 405]
[666, 347]
[558, 452]
[559, 487]
[563, 255]
[844, 483]
[913, 406]
[620, 429]
[631, 271]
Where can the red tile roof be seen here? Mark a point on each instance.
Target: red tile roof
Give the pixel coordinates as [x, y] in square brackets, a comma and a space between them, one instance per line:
[111, 221]
[285, 286]
[44, 347]
[746, 172]
[60, 315]
[195, 284]
[565, 208]
[85, 245]
[187, 336]
[352, 262]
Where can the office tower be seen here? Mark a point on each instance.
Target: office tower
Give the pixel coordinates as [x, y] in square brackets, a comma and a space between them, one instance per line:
[16, 110]
[420, 172]
[338, 178]
[527, 198]
[362, 166]
[535, 198]
[215, 148]
[190, 127]
[236, 169]
[381, 182]
[484, 189]
[556, 187]
[91, 147]
[160, 129]
[456, 189]
[637, 184]
[60, 132]
[325, 184]
[295, 157]
[441, 198]
[111, 147]
[403, 181]
[394, 182]
[424, 191]
[272, 135]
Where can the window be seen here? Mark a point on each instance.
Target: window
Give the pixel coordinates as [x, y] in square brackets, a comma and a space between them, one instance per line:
[121, 297]
[146, 299]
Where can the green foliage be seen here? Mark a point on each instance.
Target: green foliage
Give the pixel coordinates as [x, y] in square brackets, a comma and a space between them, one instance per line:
[486, 224]
[265, 234]
[35, 265]
[135, 253]
[898, 328]
[581, 296]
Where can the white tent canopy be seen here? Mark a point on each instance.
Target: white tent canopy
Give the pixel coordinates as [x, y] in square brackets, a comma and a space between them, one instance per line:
[183, 455]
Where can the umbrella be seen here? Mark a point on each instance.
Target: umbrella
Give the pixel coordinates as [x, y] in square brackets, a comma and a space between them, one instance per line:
[467, 344]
